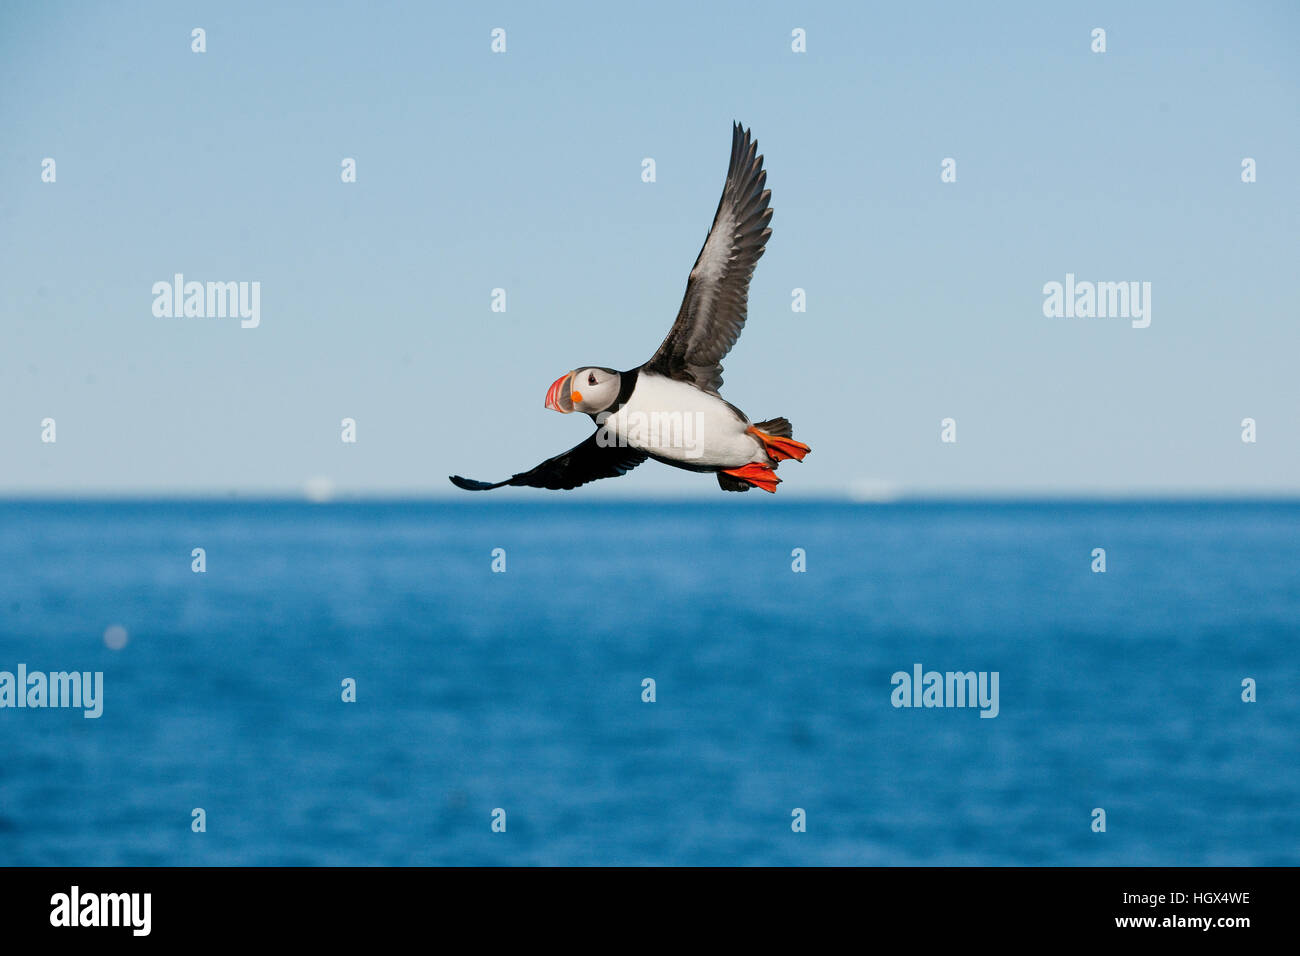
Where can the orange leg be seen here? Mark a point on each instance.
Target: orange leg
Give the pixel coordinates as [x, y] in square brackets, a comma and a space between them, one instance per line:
[778, 448]
[760, 476]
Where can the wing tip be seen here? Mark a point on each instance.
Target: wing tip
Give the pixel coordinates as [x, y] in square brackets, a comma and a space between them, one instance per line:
[742, 138]
[469, 484]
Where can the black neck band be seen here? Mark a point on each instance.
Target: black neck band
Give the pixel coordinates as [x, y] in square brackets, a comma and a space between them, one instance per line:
[627, 383]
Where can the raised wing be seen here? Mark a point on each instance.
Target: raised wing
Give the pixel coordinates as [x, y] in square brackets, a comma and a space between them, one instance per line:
[586, 462]
[713, 310]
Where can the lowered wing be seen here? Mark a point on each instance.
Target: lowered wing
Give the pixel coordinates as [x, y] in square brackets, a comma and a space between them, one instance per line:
[589, 461]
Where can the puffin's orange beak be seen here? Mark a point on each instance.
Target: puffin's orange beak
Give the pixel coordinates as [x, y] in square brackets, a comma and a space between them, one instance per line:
[558, 396]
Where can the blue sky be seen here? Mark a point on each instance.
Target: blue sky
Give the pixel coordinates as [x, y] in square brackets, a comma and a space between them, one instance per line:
[523, 171]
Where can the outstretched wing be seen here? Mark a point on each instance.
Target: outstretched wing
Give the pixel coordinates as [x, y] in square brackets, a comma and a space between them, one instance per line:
[586, 462]
[713, 311]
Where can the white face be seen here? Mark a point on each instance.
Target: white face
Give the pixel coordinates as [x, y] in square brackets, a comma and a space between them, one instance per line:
[594, 389]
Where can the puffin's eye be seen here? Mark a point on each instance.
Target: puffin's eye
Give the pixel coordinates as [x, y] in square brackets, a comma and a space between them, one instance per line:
[591, 378]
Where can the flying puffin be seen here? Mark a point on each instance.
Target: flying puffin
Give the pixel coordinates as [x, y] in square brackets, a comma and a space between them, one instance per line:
[669, 408]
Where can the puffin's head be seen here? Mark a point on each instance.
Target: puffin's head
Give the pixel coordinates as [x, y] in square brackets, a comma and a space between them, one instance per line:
[588, 390]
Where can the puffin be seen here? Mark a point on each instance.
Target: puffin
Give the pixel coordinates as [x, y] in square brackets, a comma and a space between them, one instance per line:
[670, 408]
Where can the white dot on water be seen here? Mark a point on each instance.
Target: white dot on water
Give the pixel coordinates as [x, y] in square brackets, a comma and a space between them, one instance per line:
[115, 637]
[318, 490]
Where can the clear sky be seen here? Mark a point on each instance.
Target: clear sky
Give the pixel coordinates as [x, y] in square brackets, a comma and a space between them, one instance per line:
[523, 170]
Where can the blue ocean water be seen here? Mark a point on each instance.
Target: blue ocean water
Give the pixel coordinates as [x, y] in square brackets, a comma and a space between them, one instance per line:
[523, 690]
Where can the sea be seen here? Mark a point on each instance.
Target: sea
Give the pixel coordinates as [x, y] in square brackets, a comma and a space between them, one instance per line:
[550, 681]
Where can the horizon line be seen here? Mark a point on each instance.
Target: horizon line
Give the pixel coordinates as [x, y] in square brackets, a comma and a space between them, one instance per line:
[972, 496]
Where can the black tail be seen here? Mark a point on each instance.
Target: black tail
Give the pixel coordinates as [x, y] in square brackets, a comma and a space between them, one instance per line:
[731, 483]
[780, 427]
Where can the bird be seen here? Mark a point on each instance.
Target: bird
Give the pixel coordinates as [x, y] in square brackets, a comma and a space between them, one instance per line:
[670, 409]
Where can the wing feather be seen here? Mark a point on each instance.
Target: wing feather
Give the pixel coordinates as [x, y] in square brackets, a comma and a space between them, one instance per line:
[716, 302]
[588, 461]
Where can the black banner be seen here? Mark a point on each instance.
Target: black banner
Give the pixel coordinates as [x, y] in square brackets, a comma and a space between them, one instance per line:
[1225, 906]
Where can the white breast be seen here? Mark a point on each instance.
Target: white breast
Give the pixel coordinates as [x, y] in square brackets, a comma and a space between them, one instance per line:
[679, 422]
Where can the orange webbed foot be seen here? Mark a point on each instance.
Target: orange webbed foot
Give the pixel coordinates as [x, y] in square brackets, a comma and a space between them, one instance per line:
[760, 476]
[778, 448]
